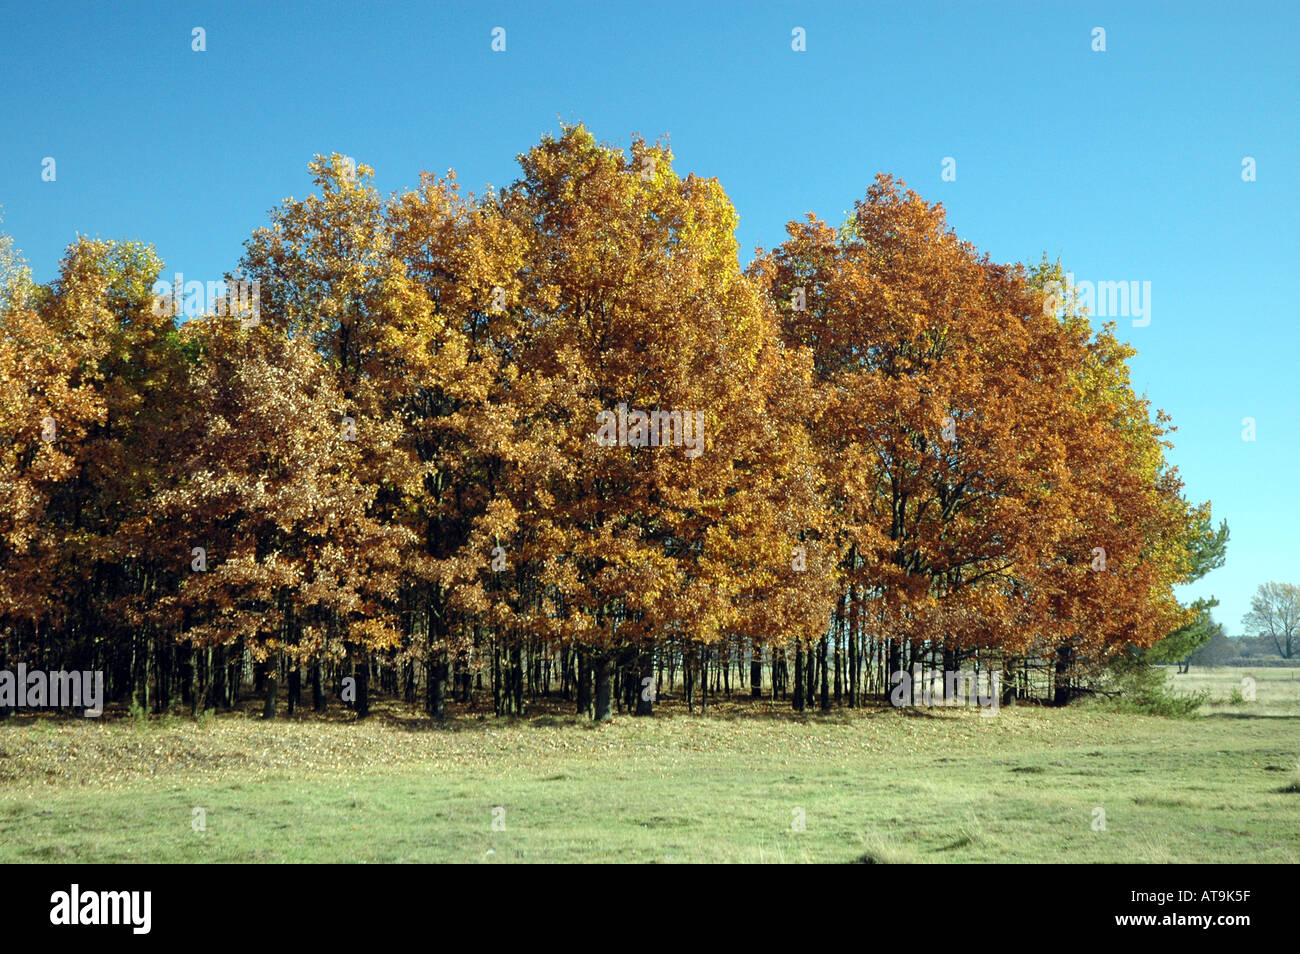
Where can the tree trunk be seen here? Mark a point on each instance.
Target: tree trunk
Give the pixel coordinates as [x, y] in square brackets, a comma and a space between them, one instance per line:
[839, 668]
[438, 686]
[1061, 676]
[462, 681]
[645, 683]
[517, 677]
[317, 687]
[949, 665]
[810, 676]
[756, 673]
[704, 680]
[1008, 684]
[272, 687]
[798, 678]
[688, 677]
[825, 685]
[363, 688]
[852, 679]
[604, 687]
[894, 663]
[584, 683]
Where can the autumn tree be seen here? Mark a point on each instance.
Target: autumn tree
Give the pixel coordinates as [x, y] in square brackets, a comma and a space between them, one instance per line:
[1138, 535]
[282, 553]
[91, 399]
[660, 366]
[46, 410]
[326, 271]
[474, 423]
[957, 457]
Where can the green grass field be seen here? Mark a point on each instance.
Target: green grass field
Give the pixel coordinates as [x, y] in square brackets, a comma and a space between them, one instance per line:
[877, 784]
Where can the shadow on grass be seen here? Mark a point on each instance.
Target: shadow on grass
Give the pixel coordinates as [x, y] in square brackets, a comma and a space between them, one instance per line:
[555, 712]
[1249, 715]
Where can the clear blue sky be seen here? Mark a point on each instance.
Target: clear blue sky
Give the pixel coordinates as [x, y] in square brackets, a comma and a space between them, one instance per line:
[1126, 164]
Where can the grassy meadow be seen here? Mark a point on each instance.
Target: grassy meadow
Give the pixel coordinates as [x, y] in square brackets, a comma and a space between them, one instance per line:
[883, 785]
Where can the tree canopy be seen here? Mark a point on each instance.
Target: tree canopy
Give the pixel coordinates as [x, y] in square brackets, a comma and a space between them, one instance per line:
[556, 431]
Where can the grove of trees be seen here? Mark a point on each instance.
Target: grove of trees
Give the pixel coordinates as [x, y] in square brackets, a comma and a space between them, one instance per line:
[388, 472]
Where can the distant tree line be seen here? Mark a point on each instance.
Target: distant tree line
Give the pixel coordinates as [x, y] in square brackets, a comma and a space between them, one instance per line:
[1272, 635]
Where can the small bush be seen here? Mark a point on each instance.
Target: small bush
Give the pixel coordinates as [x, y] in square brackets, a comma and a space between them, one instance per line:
[138, 715]
[1139, 687]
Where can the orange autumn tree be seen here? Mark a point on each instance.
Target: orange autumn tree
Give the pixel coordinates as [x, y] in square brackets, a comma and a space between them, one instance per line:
[328, 272]
[1132, 536]
[281, 550]
[955, 445]
[101, 372]
[47, 407]
[473, 427]
[637, 311]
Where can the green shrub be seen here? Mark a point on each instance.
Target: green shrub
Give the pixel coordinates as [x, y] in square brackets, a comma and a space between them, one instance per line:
[138, 714]
[1137, 686]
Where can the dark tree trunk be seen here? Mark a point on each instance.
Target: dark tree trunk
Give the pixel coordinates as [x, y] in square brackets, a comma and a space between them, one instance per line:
[438, 686]
[704, 680]
[219, 672]
[821, 663]
[185, 677]
[317, 687]
[810, 677]
[517, 678]
[799, 698]
[645, 683]
[894, 663]
[1061, 676]
[496, 677]
[949, 665]
[584, 683]
[462, 680]
[756, 673]
[271, 687]
[853, 649]
[604, 672]
[839, 669]
[688, 678]
[409, 693]
[195, 681]
[363, 689]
